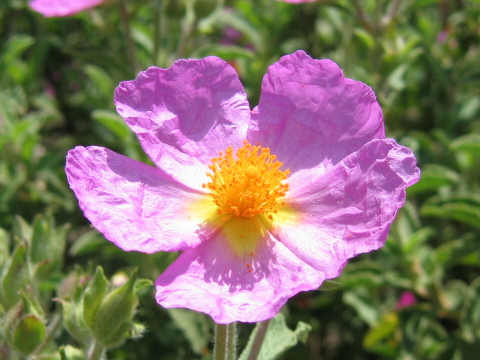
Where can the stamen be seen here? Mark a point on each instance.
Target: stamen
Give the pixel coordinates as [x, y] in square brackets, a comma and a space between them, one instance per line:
[249, 184]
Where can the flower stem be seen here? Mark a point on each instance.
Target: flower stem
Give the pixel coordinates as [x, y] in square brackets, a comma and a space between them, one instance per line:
[128, 35]
[96, 351]
[157, 13]
[257, 343]
[364, 18]
[189, 26]
[225, 342]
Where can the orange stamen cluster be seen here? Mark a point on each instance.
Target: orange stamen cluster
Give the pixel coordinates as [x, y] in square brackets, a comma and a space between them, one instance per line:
[249, 184]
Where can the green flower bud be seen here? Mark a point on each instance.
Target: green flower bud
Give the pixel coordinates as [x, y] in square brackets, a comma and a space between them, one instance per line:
[74, 320]
[113, 319]
[94, 295]
[203, 8]
[15, 277]
[175, 8]
[28, 334]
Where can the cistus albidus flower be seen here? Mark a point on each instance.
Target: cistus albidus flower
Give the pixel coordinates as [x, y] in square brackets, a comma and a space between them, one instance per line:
[262, 203]
[51, 8]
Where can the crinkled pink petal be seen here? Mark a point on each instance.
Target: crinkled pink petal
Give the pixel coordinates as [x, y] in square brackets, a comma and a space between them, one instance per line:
[310, 115]
[349, 209]
[185, 115]
[136, 206]
[212, 279]
[50, 8]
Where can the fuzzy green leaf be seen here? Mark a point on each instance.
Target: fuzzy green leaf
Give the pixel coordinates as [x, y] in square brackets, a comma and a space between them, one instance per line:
[278, 339]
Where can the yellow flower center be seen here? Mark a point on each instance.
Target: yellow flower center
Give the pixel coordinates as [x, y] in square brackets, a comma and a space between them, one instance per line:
[248, 184]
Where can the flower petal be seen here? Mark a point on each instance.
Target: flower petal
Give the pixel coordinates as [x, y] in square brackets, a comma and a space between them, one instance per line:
[51, 8]
[183, 116]
[348, 210]
[213, 279]
[309, 115]
[136, 206]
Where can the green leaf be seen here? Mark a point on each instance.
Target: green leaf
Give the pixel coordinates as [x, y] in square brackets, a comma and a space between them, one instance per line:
[376, 338]
[31, 304]
[452, 252]
[365, 274]
[100, 78]
[4, 247]
[47, 246]
[469, 143]
[418, 238]
[113, 122]
[329, 285]
[362, 303]
[21, 229]
[278, 339]
[38, 244]
[87, 243]
[453, 294]
[28, 334]
[228, 53]
[397, 80]
[143, 285]
[15, 47]
[469, 108]
[71, 353]
[459, 211]
[94, 295]
[433, 177]
[194, 326]
[365, 37]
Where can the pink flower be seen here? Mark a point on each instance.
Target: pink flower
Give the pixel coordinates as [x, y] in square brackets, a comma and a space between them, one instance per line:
[50, 8]
[251, 232]
[407, 298]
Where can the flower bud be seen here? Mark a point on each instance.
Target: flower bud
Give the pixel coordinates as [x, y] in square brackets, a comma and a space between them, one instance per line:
[203, 8]
[73, 318]
[113, 319]
[175, 8]
[94, 295]
[28, 333]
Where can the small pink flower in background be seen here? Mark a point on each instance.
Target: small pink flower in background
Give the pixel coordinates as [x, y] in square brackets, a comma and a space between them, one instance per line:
[442, 36]
[407, 298]
[230, 36]
[262, 204]
[51, 8]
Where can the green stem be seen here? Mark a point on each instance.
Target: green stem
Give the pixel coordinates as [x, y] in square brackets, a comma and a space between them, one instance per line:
[364, 18]
[258, 341]
[156, 30]
[128, 35]
[225, 342]
[189, 26]
[96, 351]
[392, 12]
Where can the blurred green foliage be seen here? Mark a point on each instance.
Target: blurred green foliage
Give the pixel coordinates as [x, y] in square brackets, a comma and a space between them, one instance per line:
[56, 87]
